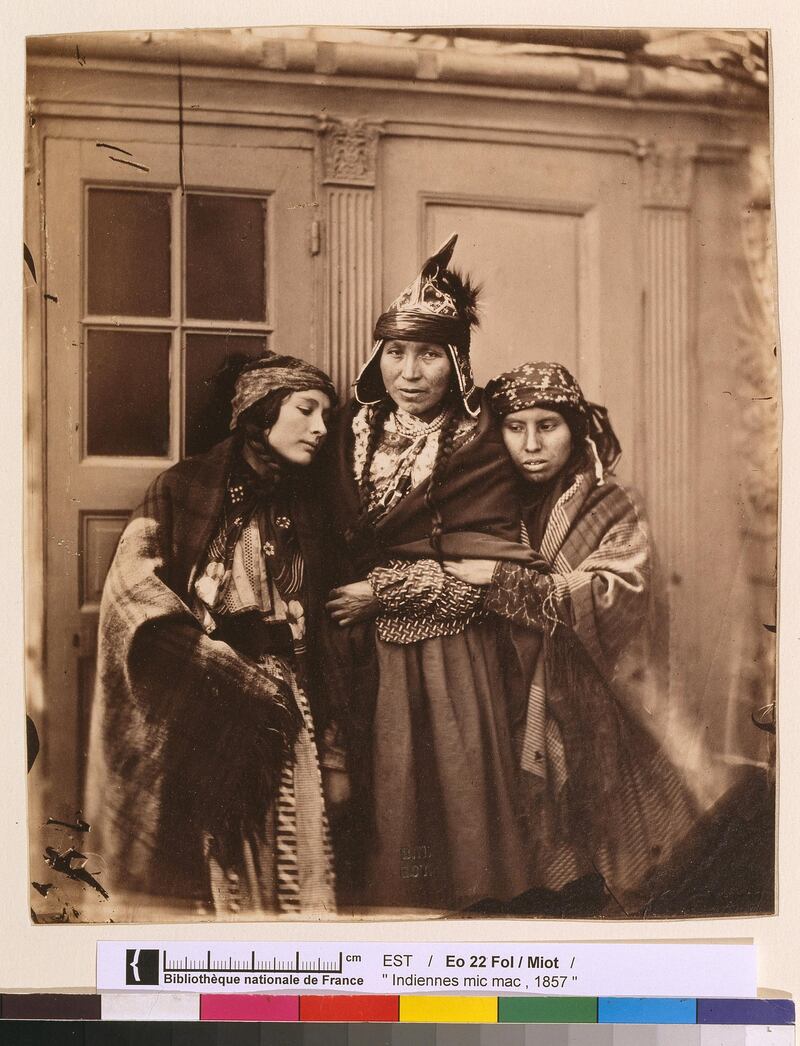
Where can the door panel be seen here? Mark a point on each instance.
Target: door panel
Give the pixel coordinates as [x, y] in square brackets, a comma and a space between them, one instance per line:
[150, 288]
[551, 235]
[532, 287]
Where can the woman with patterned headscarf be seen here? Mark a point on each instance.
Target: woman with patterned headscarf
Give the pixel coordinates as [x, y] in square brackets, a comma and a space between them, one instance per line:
[605, 805]
[421, 473]
[204, 781]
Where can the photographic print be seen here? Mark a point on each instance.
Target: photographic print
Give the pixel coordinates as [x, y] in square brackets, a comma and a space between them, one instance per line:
[402, 432]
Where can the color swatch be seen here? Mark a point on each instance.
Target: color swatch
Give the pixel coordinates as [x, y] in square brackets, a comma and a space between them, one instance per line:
[406, 1009]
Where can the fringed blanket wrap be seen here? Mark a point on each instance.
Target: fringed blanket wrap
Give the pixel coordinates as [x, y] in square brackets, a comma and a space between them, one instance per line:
[605, 796]
[187, 734]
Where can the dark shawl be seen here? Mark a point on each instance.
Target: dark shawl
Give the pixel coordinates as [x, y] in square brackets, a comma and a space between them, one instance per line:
[480, 515]
[477, 501]
[187, 734]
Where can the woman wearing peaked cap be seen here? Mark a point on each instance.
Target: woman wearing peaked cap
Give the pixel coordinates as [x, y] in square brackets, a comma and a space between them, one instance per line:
[421, 473]
[606, 806]
[203, 775]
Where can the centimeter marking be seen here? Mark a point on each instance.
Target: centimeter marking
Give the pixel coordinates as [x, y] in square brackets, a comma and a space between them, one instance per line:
[196, 965]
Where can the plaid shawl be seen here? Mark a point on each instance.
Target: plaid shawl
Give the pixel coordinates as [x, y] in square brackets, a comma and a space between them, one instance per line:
[600, 584]
[187, 735]
[593, 660]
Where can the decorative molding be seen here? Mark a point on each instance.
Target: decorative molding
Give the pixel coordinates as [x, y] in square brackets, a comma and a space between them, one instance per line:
[501, 202]
[349, 281]
[303, 125]
[349, 152]
[578, 76]
[530, 136]
[667, 175]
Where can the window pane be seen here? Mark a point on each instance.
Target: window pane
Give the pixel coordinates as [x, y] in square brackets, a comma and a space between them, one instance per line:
[128, 268]
[209, 384]
[127, 392]
[226, 258]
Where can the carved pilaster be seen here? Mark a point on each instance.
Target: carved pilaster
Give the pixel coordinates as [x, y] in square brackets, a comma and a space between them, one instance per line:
[349, 152]
[350, 282]
[667, 179]
[349, 156]
[667, 175]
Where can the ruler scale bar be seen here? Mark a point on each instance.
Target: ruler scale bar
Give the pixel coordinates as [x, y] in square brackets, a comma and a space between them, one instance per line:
[240, 966]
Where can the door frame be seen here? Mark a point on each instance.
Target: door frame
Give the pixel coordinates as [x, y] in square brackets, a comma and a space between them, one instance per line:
[73, 125]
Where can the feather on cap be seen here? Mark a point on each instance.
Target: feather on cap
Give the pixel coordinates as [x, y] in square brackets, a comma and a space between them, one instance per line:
[441, 296]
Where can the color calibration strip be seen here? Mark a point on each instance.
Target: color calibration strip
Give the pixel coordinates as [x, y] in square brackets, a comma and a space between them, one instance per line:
[391, 1009]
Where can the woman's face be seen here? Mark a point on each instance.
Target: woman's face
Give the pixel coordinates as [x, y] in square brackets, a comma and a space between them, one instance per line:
[300, 427]
[416, 375]
[539, 442]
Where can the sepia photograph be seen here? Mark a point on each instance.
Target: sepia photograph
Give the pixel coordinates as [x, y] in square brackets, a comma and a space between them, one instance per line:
[402, 431]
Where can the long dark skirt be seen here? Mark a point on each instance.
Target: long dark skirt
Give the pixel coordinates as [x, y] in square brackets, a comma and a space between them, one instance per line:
[447, 826]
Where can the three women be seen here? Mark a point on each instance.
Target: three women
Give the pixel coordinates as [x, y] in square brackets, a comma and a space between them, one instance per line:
[493, 587]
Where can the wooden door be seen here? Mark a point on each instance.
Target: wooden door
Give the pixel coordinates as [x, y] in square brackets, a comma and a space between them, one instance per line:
[551, 235]
[150, 287]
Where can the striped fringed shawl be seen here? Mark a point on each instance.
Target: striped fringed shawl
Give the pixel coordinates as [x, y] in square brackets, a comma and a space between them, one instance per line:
[187, 735]
[585, 632]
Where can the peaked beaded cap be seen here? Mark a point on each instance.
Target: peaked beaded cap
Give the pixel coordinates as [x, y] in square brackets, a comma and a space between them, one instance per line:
[439, 306]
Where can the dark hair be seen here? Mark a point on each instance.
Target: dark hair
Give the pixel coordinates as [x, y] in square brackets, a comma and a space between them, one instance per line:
[261, 416]
[578, 425]
[376, 416]
[264, 413]
[443, 455]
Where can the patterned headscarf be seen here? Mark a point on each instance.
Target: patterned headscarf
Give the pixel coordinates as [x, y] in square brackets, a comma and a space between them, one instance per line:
[551, 385]
[438, 307]
[270, 371]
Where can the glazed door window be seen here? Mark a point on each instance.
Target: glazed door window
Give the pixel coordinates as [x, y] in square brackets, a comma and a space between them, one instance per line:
[163, 271]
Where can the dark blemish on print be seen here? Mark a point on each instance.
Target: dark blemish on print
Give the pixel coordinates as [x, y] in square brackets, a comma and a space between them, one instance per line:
[130, 163]
[79, 825]
[63, 862]
[28, 259]
[116, 148]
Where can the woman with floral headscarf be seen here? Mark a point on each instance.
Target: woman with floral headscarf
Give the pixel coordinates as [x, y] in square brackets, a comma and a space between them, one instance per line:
[204, 780]
[603, 798]
[420, 473]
